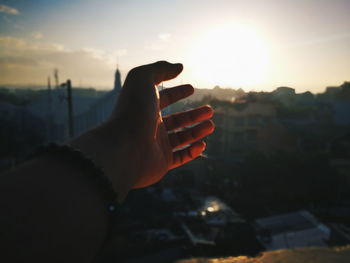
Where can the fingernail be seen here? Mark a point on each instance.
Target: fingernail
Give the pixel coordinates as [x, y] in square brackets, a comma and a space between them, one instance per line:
[179, 65]
[212, 125]
[209, 108]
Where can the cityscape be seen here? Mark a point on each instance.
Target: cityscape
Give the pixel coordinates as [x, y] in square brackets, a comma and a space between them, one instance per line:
[273, 184]
[275, 174]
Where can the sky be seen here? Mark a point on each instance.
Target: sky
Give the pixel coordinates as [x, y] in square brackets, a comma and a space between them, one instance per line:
[252, 44]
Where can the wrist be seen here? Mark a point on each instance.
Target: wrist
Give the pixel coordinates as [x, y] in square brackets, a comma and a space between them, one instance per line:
[73, 158]
[104, 150]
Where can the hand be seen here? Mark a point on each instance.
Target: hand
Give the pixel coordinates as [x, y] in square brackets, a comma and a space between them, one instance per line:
[137, 146]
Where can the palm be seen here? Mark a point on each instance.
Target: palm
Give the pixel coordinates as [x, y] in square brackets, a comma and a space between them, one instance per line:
[155, 151]
[162, 155]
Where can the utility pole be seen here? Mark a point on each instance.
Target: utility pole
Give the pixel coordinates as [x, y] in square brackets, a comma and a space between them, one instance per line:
[68, 85]
[70, 109]
[50, 115]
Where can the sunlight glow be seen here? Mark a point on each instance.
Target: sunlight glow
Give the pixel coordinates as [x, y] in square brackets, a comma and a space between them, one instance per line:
[210, 209]
[230, 55]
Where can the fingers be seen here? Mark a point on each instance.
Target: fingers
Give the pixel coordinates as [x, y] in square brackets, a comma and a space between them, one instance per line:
[139, 97]
[191, 135]
[154, 73]
[172, 95]
[163, 70]
[188, 154]
[187, 118]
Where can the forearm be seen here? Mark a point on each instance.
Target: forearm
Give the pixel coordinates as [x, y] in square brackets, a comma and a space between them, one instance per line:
[109, 153]
[50, 212]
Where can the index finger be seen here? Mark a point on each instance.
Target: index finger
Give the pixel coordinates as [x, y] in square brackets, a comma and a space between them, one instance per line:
[172, 95]
[155, 72]
[163, 70]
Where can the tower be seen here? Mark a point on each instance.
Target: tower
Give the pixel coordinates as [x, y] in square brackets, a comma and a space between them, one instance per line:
[117, 80]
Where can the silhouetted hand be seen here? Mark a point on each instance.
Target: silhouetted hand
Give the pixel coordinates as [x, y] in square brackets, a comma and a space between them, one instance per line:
[137, 146]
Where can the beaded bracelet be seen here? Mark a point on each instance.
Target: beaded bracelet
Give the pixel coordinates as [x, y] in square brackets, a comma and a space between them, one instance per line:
[87, 166]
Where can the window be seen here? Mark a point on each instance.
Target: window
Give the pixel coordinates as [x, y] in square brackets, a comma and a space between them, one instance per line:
[251, 135]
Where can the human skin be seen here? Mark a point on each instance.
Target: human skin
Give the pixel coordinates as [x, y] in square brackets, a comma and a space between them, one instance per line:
[134, 146]
[52, 212]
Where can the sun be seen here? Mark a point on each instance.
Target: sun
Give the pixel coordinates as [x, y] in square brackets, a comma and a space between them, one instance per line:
[229, 55]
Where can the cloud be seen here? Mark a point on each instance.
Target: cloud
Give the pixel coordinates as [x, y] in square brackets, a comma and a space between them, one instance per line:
[18, 46]
[320, 40]
[110, 58]
[164, 37]
[159, 43]
[12, 62]
[94, 52]
[29, 62]
[8, 10]
[120, 52]
[37, 35]
[154, 46]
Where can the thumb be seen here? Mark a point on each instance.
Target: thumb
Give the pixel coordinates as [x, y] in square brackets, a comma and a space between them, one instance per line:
[139, 98]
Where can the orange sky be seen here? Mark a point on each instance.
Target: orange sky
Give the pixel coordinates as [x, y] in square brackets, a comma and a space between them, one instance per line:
[254, 45]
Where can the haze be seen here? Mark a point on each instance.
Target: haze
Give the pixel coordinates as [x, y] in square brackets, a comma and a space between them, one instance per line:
[254, 45]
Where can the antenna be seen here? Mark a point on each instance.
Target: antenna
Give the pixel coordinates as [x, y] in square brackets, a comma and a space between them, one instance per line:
[49, 83]
[55, 73]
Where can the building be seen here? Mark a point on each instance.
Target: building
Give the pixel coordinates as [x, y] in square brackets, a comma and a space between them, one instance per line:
[339, 150]
[341, 113]
[247, 127]
[54, 112]
[88, 111]
[20, 133]
[285, 95]
[100, 110]
[292, 230]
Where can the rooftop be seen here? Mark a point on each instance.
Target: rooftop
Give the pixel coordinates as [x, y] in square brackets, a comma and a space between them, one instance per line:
[301, 255]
